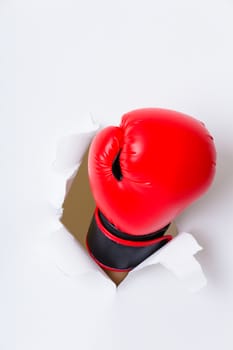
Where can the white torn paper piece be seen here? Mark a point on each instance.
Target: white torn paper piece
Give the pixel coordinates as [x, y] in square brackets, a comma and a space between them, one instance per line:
[70, 150]
[70, 257]
[178, 257]
[68, 254]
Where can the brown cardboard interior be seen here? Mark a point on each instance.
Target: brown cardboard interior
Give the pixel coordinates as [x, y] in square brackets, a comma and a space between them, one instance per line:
[79, 207]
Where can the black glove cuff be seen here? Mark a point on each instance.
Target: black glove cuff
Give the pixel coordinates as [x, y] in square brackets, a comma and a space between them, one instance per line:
[115, 250]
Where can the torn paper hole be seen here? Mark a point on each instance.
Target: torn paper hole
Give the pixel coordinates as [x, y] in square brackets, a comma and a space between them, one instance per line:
[68, 246]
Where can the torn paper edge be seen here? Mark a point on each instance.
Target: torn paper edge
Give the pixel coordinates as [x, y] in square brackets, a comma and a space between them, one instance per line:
[61, 246]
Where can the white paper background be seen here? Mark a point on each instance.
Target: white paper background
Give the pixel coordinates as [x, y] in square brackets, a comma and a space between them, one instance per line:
[61, 60]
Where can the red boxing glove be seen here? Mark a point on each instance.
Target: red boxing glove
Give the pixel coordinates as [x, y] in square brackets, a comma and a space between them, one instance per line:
[143, 174]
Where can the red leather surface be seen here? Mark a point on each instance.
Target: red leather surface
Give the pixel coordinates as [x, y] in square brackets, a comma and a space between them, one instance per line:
[167, 160]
